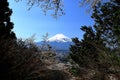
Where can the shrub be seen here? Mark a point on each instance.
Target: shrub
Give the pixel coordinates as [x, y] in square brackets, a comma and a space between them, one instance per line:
[18, 61]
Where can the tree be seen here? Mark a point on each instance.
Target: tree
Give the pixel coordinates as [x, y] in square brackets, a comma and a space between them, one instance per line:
[7, 36]
[6, 33]
[6, 25]
[31, 39]
[85, 52]
[107, 25]
[17, 60]
[101, 42]
[107, 18]
[57, 6]
[45, 45]
[46, 5]
[91, 2]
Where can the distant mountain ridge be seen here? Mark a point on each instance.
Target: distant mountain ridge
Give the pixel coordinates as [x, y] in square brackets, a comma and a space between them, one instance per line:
[59, 42]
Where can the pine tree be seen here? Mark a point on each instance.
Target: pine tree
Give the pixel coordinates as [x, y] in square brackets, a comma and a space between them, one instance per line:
[101, 40]
[85, 52]
[6, 25]
[107, 24]
[7, 37]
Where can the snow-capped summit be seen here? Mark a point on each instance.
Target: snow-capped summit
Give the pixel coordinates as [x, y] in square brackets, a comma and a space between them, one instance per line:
[59, 42]
[59, 38]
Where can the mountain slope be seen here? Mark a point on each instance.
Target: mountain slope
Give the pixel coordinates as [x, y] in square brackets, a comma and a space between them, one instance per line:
[59, 42]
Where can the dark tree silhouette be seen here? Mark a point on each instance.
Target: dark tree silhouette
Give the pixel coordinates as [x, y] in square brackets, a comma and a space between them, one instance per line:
[20, 60]
[7, 37]
[6, 25]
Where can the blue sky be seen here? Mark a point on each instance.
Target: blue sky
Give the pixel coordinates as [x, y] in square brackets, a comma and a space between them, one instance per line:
[27, 23]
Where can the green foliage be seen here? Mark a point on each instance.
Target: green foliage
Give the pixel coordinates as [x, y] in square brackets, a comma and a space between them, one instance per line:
[106, 18]
[74, 71]
[85, 52]
[100, 45]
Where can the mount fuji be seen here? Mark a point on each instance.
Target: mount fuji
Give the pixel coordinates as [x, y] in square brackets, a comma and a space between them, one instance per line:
[59, 42]
[59, 38]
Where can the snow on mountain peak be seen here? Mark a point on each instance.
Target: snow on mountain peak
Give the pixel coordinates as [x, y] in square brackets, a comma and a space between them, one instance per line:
[59, 38]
